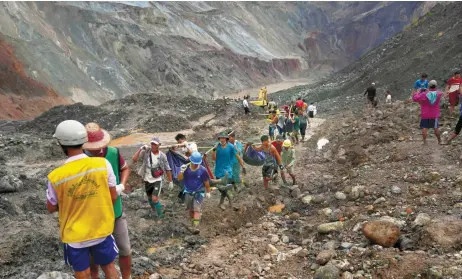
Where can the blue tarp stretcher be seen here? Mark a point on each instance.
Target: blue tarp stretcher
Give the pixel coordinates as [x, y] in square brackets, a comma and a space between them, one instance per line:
[253, 157]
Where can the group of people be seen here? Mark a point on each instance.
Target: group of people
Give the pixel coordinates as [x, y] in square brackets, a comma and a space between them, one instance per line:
[429, 97]
[371, 93]
[86, 190]
[292, 121]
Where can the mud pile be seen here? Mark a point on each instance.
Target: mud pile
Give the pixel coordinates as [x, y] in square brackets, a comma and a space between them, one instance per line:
[147, 112]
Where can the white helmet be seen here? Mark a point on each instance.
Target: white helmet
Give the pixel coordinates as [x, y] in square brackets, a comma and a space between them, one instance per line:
[71, 133]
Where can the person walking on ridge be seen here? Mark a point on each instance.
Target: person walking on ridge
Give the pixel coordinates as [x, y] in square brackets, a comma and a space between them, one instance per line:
[273, 124]
[429, 101]
[187, 148]
[196, 187]
[420, 84]
[269, 169]
[296, 131]
[288, 160]
[83, 191]
[97, 146]
[153, 168]
[236, 165]
[453, 90]
[245, 104]
[303, 116]
[224, 154]
[371, 92]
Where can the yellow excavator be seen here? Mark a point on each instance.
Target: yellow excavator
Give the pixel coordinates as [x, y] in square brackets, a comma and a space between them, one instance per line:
[262, 100]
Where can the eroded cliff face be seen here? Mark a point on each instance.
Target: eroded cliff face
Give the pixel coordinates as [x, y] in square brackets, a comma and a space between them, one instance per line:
[92, 52]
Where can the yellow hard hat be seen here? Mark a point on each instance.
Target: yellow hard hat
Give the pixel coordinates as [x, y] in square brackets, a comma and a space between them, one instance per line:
[287, 143]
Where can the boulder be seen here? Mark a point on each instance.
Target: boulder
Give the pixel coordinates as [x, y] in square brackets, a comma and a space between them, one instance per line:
[446, 233]
[382, 233]
[325, 256]
[327, 272]
[330, 227]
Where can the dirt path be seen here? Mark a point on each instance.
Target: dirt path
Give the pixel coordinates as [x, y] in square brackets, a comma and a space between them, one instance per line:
[166, 138]
[219, 250]
[271, 87]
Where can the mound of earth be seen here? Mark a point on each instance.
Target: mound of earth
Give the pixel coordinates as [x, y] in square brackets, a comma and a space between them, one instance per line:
[430, 44]
[147, 112]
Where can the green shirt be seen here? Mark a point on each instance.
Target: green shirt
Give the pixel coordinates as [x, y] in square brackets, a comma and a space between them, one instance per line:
[296, 123]
[288, 156]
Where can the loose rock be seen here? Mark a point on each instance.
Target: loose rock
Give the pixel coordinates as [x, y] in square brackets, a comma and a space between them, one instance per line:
[383, 233]
[330, 227]
[307, 199]
[340, 196]
[422, 219]
[327, 272]
[325, 256]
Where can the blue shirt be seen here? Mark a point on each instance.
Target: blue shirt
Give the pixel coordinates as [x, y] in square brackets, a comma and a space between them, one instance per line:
[225, 160]
[419, 84]
[193, 180]
[238, 145]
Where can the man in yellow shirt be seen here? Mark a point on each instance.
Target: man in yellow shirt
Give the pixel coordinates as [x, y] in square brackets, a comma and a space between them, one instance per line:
[83, 191]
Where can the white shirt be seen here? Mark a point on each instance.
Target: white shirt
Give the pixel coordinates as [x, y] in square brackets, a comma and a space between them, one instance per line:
[245, 103]
[155, 164]
[310, 108]
[388, 97]
[189, 146]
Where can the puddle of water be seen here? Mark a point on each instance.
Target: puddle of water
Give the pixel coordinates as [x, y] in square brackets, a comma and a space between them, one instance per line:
[322, 142]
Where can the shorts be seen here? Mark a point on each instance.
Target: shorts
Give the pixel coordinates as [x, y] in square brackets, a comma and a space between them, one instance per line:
[454, 98]
[194, 201]
[311, 114]
[121, 236]
[103, 254]
[295, 133]
[289, 169]
[268, 171]
[246, 110]
[153, 189]
[458, 126]
[370, 98]
[429, 123]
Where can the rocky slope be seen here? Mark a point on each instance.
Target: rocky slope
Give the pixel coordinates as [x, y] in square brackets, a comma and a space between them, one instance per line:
[373, 173]
[432, 44]
[92, 52]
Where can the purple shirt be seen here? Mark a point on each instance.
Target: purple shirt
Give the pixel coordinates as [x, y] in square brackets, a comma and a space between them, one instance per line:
[53, 198]
[193, 180]
[427, 109]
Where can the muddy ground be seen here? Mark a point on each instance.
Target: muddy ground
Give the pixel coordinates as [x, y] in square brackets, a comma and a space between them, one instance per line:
[374, 167]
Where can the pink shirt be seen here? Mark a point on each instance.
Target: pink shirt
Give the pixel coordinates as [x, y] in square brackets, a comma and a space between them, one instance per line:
[53, 198]
[427, 109]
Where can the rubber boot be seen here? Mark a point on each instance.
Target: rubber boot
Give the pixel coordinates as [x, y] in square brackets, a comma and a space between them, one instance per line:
[159, 210]
[222, 201]
[195, 226]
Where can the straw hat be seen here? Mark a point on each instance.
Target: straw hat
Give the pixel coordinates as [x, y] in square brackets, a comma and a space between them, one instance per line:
[97, 137]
